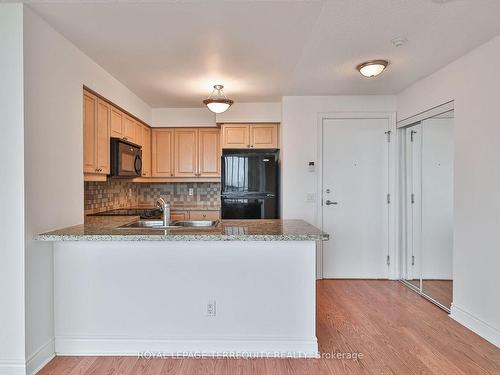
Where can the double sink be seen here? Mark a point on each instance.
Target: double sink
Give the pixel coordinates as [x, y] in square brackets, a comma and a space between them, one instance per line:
[158, 224]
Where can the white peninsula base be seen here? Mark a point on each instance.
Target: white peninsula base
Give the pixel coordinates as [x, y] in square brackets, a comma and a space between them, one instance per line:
[132, 297]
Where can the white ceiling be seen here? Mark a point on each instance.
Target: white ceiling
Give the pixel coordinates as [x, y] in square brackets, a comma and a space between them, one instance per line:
[170, 53]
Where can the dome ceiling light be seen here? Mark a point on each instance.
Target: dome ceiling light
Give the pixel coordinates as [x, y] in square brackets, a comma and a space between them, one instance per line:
[217, 102]
[372, 68]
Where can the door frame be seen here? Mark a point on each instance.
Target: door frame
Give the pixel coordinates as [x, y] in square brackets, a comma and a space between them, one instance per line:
[393, 268]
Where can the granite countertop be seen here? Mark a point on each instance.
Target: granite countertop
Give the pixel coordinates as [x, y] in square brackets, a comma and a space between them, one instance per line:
[106, 228]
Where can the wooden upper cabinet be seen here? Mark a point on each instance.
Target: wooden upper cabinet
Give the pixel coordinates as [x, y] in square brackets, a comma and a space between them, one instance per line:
[186, 153]
[209, 153]
[96, 131]
[250, 136]
[162, 155]
[103, 135]
[235, 136]
[146, 151]
[138, 133]
[129, 129]
[89, 133]
[264, 136]
[116, 123]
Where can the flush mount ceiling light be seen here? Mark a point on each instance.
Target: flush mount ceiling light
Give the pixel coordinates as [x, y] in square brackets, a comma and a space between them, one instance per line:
[217, 102]
[372, 68]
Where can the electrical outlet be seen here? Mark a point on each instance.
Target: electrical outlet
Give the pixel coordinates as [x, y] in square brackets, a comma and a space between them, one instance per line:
[190, 191]
[211, 308]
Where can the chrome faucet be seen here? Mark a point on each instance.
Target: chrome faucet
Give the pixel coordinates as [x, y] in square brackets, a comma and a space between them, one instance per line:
[165, 207]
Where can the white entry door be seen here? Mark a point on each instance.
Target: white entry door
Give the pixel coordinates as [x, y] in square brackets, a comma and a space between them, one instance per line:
[355, 203]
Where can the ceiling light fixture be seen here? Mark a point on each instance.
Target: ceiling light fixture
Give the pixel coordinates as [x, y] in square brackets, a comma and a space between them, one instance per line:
[217, 102]
[372, 68]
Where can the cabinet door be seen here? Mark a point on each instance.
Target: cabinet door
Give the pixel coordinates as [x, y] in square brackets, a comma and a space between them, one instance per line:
[235, 136]
[116, 123]
[186, 153]
[128, 129]
[178, 215]
[138, 133]
[146, 151]
[264, 136]
[204, 215]
[209, 152]
[89, 133]
[103, 133]
[162, 152]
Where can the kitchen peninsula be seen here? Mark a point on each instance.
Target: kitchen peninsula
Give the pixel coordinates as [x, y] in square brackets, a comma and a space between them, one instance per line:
[243, 286]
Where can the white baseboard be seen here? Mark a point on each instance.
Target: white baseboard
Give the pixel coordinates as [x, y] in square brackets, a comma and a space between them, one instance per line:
[476, 325]
[12, 367]
[40, 357]
[176, 346]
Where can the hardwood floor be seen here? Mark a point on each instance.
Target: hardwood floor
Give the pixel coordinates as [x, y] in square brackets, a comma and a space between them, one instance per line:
[396, 330]
[440, 290]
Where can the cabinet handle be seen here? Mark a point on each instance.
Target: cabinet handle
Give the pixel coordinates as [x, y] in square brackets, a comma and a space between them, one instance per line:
[171, 175]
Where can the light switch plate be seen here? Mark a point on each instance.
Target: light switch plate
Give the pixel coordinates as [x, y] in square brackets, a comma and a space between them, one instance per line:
[311, 197]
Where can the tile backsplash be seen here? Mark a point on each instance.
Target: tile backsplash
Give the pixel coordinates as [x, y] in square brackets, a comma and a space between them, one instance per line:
[114, 194]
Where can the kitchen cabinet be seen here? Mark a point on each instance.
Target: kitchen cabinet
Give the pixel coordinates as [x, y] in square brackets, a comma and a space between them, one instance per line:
[186, 153]
[209, 152]
[146, 151]
[137, 133]
[89, 133]
[101, 121]
[162, 152]
[178, 215]
[235, 136]
[129, 132]
[116, 123]
[197, 152]
[260, 136]
[264, 136]
[103, 135]
[96, 133]
[204, 215]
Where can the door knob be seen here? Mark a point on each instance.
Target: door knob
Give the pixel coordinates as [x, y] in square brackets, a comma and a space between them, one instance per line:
[329, 202]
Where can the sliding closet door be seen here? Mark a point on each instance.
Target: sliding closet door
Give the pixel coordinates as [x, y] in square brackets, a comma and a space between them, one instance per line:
[428, 206]
[437, 208]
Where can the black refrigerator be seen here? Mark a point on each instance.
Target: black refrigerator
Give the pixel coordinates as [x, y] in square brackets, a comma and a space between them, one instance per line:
[250, 184]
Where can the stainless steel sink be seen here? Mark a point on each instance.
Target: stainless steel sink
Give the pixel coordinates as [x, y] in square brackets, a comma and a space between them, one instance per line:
[158, 224]
[148, 224]
[196, 223]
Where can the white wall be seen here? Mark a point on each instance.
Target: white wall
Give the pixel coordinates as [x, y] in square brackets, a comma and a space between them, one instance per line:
[300, 144]
[175, 117]
[474, 84]
[251, 112]
[239, 112]
[54, 73]
[11, 191]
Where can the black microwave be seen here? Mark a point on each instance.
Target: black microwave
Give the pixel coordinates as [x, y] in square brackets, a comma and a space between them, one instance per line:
[126, 159]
